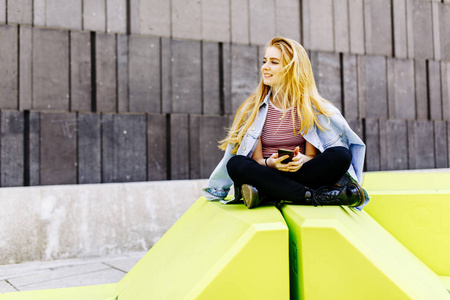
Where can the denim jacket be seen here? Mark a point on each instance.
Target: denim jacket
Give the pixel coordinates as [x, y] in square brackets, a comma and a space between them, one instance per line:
[339, 133]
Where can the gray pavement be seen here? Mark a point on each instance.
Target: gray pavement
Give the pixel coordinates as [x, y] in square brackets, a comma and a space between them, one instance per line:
[66, 273]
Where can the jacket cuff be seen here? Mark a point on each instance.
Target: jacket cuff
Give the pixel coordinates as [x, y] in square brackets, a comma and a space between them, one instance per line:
[214, 194]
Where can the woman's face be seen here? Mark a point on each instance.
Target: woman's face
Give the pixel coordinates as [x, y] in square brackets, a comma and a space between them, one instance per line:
[272, 66]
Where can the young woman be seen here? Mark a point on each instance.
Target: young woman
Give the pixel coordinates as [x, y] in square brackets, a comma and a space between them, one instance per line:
[287, 112]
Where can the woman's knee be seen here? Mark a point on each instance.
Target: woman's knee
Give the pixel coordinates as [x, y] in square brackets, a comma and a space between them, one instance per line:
[341, 156]
[234, 165]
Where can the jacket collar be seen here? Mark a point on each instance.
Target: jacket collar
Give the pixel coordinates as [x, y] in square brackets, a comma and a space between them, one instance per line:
[266, 99]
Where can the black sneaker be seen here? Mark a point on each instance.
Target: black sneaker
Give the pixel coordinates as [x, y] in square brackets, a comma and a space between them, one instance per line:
[350, 194]
[250, 195]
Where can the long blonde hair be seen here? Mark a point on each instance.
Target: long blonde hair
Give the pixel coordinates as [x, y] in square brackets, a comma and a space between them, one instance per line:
[297, 88]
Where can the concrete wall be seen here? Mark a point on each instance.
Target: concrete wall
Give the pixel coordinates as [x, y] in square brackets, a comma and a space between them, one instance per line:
[98, 91]
[65, 221]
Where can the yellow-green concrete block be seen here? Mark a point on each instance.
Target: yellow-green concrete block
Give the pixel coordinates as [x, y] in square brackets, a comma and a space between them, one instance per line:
[215, 251]
[415, 208]
[338, 253]
[94, 292]
[406, 180]
[420, 220]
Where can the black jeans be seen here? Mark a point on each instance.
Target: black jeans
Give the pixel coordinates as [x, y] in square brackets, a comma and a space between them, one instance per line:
[323, 170]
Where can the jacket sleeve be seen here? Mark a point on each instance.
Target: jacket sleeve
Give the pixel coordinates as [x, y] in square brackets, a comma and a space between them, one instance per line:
[219, 182]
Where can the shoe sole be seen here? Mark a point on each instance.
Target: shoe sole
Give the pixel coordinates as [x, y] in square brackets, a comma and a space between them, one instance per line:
[250, 196]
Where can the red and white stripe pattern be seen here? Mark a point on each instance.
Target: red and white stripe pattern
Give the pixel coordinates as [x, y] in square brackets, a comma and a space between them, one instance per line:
[278, 132]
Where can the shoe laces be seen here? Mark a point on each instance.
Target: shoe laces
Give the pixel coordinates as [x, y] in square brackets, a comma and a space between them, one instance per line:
[330, 196]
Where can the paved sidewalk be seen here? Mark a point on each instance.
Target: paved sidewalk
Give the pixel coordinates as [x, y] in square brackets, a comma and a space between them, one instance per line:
[66, 273]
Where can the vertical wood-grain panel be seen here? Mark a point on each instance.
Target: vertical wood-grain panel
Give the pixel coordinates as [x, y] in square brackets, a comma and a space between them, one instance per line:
[157, 147]
[211, 78]
[244, 73]
[186, 74]
[124, 145]
[421, 144]
[144, 79]
[12, 148]
[123, 102]
[179, 145]
[25, 67]
[89, 148]
[50, 69]
[105, 59]
[8, 66]
[80, 71]
[58, 143]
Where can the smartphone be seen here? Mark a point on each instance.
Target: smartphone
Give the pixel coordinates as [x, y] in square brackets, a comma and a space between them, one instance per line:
[283, 152]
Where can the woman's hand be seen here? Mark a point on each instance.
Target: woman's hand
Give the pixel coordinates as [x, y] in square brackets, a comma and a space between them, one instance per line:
[293, 166]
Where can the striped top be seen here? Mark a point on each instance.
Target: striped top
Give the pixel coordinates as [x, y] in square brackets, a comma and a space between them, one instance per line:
[278, 132]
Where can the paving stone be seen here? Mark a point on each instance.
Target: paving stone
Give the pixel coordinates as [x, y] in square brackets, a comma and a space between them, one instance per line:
[216, 20]
[124, 262]
[116, 16]
[8, 65]
[240, 32]
[6, 287]
[262, 15]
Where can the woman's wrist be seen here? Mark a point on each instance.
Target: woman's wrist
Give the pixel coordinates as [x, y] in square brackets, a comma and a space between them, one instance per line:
[265, 161]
